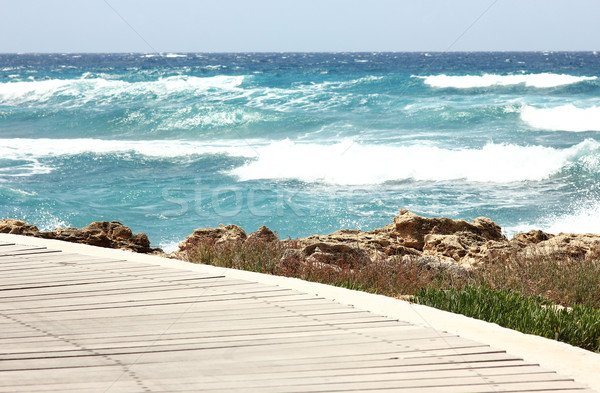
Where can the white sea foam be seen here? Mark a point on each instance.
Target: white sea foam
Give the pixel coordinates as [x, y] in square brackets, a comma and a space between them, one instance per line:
[182, 119]
[543, 80]
[563, 118]
[31, 167]
[28, 149]
[347, 163]
[86, 89]
[584, 219]
[169, 246]
[341, 163]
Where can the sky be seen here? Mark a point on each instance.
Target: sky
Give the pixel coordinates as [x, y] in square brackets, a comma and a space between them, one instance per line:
[297, 25]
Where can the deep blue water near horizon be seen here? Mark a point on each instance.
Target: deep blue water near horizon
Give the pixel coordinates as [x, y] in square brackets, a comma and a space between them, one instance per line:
[301, 142]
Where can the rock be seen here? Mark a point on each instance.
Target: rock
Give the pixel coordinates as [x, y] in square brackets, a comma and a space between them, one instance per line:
[431, 262]
[213, 236]
[323, 254]
[105, 234]
[101, 233]
[263, 234]
[17, 227]
[448, 240]
[412, 229]
[568, 245]
[532, 237]
[378, 243]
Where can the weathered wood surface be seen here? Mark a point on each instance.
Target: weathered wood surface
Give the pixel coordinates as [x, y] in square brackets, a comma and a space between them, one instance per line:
[76, 323]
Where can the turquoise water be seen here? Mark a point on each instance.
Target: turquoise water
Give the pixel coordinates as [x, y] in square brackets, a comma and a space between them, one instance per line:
[303, 143]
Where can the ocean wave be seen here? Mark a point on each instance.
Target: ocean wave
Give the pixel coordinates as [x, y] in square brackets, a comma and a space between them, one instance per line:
[562, 118]
[27, 166]
[345, 163]
[85, 89]
[583, 219]
[18, 192]
[29, 149]
[544, 80]
[355, 164]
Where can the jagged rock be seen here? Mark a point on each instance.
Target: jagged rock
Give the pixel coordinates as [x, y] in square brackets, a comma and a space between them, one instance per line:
[586, 246]
[322, 254]
[220, 235]
[17, 227]
[431, 262]
[101, 233]
[379, 243]
[106, 234]
[412, 235]
[532, 237]
[412, 228]
[263, 234]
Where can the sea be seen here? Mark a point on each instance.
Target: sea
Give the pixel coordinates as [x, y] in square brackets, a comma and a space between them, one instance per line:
[304, 143]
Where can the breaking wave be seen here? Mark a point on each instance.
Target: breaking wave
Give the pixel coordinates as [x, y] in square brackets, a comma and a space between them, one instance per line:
[346, 162]
[563, 118]
[83, 89]
[544, 80]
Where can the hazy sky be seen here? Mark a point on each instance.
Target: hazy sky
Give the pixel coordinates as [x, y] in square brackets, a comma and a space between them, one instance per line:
[297, 25]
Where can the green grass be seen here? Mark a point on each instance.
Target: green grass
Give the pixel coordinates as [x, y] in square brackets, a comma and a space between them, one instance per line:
[579, 326]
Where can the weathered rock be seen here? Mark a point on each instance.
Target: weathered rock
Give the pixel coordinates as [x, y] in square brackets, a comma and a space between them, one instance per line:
[412, 235]
[379, 243]
[431, 262]
[263, 234]
[532, 237]
[568, 245]
[106, 234]
[412, 229]
[101, 233]
[220, 235]
[321, 254]
[17, 227]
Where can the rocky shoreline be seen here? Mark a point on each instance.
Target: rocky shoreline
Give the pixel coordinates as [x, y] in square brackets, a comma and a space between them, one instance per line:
[440, 243]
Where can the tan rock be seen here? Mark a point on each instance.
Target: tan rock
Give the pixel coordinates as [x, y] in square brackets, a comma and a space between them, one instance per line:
[220, 235]
[412, 228]
[18, 227]
[532, 237]
[263, 234]
[107, 234]
[101, 233]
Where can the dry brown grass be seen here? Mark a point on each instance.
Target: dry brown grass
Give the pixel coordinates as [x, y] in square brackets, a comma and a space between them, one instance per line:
[567, 281]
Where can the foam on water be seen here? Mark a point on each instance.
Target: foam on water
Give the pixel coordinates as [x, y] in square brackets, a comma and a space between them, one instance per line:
[543, 80]
[562, 118]
[21, 148]
[354, 163]
[584, 219]
[341, 163]
[86, 89]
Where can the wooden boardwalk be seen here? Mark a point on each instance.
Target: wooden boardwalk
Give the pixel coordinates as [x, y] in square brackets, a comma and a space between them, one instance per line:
[76, 323]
